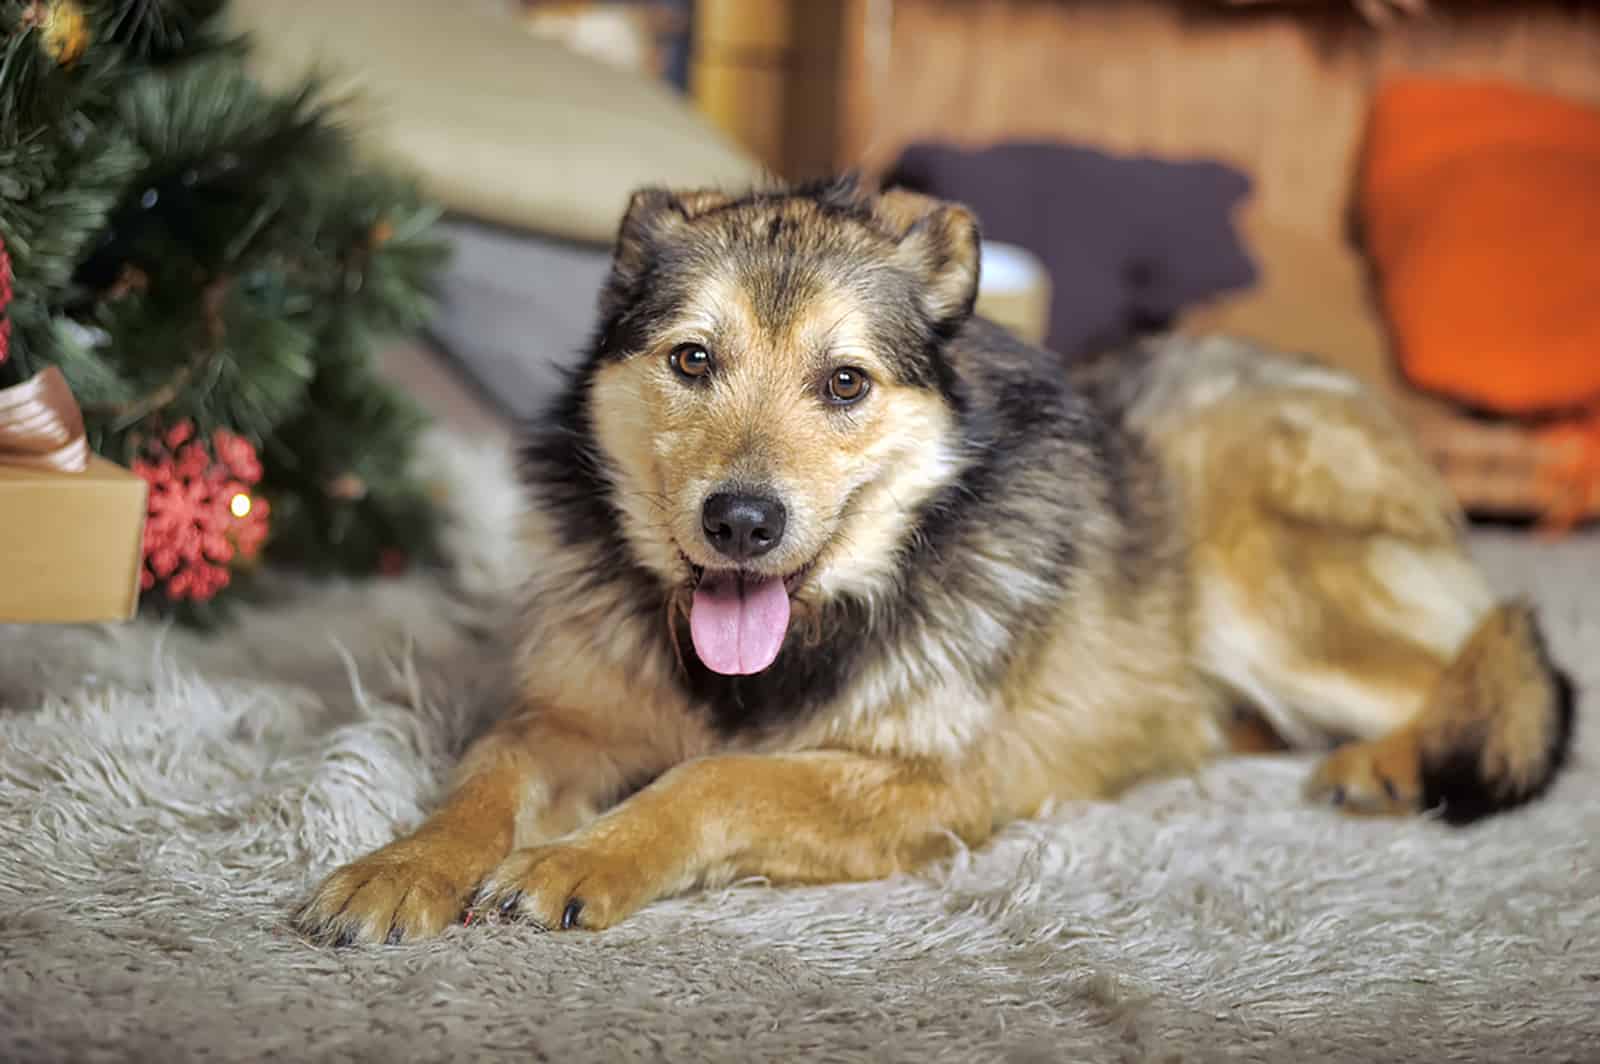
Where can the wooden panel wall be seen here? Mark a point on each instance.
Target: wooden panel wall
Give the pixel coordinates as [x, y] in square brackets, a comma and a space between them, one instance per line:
[1280, 93]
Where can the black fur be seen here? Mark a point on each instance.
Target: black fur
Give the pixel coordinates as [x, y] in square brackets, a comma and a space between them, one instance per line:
[561, 459]
[1021, 425]
[1040, 460]
[1455, 785]
[660, 255]
[1017, 422]
[1038, 457]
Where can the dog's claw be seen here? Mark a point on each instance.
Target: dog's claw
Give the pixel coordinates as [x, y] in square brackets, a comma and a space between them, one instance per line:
[508, 906]
[1369, 778]
[395, 936]
[347, 937]
[569, 915]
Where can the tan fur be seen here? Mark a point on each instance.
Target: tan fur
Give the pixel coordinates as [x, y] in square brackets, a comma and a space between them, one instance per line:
[1336, 592]
[1307, 564]
[1493, 698]
[1313, 519]
[808, 817]
[1059, 737]
[666, 450]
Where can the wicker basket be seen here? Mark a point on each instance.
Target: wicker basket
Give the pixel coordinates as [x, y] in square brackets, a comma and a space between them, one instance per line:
[1504, 468]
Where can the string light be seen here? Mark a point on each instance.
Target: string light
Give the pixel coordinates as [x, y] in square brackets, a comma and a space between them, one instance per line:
[239, 505]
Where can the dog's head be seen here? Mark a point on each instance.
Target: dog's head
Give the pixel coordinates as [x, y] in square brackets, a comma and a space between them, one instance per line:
[771, 397]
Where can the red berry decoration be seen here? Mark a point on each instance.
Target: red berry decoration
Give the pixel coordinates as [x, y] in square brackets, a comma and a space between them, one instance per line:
[202, 515]
[5, 301]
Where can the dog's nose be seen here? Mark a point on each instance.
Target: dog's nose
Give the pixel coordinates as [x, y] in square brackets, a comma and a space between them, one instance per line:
[742, 527]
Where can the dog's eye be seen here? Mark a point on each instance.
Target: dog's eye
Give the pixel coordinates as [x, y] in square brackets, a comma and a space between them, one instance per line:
[691, 360]
[847, 385]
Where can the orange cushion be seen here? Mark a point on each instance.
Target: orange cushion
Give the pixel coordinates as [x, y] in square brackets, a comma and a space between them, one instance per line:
[1480, 207]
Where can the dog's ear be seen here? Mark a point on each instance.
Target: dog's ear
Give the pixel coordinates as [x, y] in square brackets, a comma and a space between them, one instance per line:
[939, 245]
[653, 216]
[650, 217]
[653, 212]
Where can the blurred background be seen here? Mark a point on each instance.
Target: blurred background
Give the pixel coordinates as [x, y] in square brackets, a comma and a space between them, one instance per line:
[1371, 182]
[315, 225]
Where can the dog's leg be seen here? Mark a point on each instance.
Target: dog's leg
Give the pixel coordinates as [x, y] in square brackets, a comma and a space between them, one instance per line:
[1336, 594]
[1493, 733]
[531, 778]
[807, 817]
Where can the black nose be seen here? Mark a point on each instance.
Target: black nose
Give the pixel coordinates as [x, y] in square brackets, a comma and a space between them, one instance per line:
[742, 527]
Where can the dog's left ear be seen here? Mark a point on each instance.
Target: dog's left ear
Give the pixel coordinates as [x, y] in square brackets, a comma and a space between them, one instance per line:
[939, 245]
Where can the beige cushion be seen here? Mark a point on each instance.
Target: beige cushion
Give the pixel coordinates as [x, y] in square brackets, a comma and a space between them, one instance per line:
[499, 124]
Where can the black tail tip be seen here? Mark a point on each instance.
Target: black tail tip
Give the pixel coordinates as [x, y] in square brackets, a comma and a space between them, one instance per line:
[1456, 788]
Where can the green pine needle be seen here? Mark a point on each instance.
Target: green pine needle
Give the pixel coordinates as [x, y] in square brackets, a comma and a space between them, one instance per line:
[187, 245]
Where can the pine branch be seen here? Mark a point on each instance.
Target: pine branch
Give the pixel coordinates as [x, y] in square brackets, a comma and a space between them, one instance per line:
[161, 29]
[83, 356]
[125, 413]
[190, 246]
[209, 125]
[56, 61]
[54, 202]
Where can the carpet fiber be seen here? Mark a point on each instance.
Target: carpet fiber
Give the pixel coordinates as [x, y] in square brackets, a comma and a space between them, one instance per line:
[165, 799]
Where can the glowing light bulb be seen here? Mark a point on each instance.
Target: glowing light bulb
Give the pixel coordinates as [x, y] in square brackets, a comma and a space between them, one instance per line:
[240, 505]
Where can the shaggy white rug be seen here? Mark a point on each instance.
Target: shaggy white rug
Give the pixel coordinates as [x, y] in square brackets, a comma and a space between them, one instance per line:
[165, 800]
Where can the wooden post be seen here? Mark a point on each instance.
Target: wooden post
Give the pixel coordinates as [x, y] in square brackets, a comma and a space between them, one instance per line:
[768, 73]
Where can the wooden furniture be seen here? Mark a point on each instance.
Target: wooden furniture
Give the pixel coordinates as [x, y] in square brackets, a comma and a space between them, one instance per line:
[773, 74]
[1279, 89]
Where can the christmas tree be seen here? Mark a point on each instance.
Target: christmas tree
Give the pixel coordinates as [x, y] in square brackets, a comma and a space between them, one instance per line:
[211, 268]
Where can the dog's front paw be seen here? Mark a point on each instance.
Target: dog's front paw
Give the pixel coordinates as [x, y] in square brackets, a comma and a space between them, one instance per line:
[1382, 777]
[565, 886]
[404, 892]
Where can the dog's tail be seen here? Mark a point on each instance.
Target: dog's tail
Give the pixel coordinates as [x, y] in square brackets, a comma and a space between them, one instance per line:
[1498, 726]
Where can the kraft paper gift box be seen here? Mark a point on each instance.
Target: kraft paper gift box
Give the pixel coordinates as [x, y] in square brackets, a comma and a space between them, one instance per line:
[71, 523]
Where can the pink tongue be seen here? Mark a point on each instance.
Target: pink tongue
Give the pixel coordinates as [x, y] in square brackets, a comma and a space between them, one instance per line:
[738, 622]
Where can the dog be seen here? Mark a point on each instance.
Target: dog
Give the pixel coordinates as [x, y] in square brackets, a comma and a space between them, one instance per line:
[832, 575]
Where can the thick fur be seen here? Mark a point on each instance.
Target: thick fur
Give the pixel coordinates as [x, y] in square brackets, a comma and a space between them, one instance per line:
[1013, 584]
[1334, 595]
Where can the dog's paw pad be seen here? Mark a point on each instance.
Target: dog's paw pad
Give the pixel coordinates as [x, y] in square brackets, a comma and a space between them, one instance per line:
[1378, 778]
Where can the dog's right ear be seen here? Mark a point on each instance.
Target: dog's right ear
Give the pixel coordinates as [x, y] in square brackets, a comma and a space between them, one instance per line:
[652, 213]
[654, 216]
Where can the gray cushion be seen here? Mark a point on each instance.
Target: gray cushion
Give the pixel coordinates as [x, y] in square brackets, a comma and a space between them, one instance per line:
[516, 310]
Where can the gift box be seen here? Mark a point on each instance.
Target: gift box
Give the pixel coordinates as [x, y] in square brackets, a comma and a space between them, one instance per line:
[71, 523]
